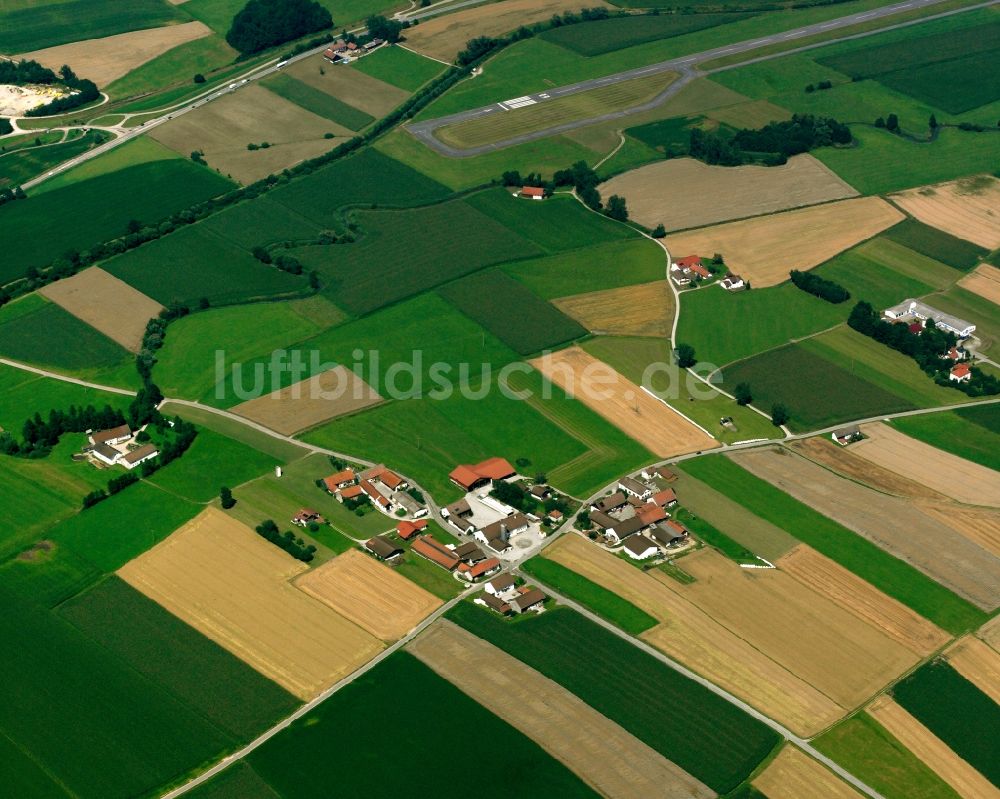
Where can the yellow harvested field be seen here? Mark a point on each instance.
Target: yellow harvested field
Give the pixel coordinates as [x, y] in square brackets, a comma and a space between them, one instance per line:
[106, 303]
[643, 417]
[105, 60]
[967, 782]
[984, 281]
[831, 580]
[643, 310]
[701, 643]
[310, 402]
[795, 775]
[233, 586]
[223, 128]
[370, 594]
[968, 208]
[564, 726]
[980, 525]
[444, 37]
[763, 250]
[990, 632]
[684, 193]
[354, 87]
[978, 663]
[941, 471]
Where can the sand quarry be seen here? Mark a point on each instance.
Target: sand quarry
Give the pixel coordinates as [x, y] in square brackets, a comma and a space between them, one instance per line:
[15, 101]
[968, 208]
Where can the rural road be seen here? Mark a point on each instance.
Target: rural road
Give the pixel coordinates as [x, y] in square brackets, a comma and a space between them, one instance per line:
[685, 67]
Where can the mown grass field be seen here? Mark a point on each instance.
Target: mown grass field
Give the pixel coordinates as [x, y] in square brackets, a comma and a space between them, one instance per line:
[968, 432]
[319, 103]
[511, 312]
[592, 596]
[697, 730]
[177, 66]
[868, 278]
[936, 244]
[404, 69]
[887, 573]
[412, 694]
[141, 150]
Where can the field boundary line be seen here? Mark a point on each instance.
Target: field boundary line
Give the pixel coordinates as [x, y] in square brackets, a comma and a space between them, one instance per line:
[682, 415]
[67, 379]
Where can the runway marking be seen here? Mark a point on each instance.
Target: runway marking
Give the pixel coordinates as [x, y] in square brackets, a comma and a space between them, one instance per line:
[519, 102]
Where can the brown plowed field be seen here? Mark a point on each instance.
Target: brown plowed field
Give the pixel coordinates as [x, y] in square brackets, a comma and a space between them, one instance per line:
[684, 193]
[370, 594]
[649, 421]
[891, 523]
[968, 208]
[354, 87]
[106, 303]
[567, 728]
[643, 310]
[227, 582]
[981, 525]
[850, 592]
[763, 250]
[948, 474]
[978, 663]
[303, 405]
[795, 775]
[984, 281]
[966, 781]
[704, 645]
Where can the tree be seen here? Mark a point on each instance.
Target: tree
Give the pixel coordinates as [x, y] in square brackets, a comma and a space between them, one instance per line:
[892, 123]
[199, 78]
[266, 23]
[133, 226]
[932, 123]
[743, 394]
[226, 498]
[380, 27]
[659, 231]
[880, 123]
[685, 356]
[5, 126]
[616, 208]
[779, 414]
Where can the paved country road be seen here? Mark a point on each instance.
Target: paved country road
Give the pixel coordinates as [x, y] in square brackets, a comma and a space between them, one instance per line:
[686, 67]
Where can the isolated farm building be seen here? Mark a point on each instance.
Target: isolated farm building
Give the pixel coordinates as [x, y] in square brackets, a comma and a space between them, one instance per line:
[690, 265]
[677, 275]
[555, 516]
[845, 435]
[636, 489]
[341, 479]
[540, 491]
[469, 552]
[670, 533]
[305, 516]
[666, 498]
[116, 435]
[132, 459]
[638, 547]
[382, 548]
[106, 454]
[532, 192]
[531, 599]
[407, 529]
[493, 602]
[499, 585]
[471, 476]
[732, 282]
[913, 309]
[960, 373]
[350, 492]
[610, 503]
[435, 552]
[482, 569]
[650, 514]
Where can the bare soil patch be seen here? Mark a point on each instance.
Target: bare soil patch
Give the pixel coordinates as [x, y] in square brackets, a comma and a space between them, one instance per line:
[443, 38]
[978, 663]
[765, 249]
[310, 402]
[223, 128]
[703, 644]
[968, 208]
[226, 581]
[984, 281]
[643, 417]
[891, 523]
[981, 525]
[350, 85]
[643, 310]
[567, 728]
[107, 59]
[106, 303]
[966, 781]
[370, 594]
[794, 775]
[862, 599]
[685, 193]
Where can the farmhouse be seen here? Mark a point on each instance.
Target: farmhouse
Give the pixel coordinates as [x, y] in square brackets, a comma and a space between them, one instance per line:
[471, 476]
[459, 516]
[386, 477]
[499, 585]
[685, 269]
[502, 530]
[960, 373]
[531, 599]
[493, 602]
[623, 529]
[482, 569]
[732, 282]
[341, 479]
[407, 529]
[435, 552]
[666, 498]
[306, 516]
[116, 435]
[350, 492]
[540, 491]
[660, 471]
[670, 533]
[610, 503]
[650, 513]
[382, 548]
[106, 454]
[132, 459]
[846, 435]
[555, 516]
[469, 552]
[499, 545]
[532, 192]
[911, 309]
[634, 488]
[638, 547]
[377, 497]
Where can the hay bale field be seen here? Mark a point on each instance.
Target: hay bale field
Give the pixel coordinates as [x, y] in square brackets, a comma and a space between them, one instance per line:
[984, 281]
[941, 471]
[106, 303]
[763, 250]
[686, 193]
[567, 728]
[226, 581]
[310, 402]
[892, 524]
[445, 36]
[370, 594]
[978, 663]
[252, 115]
[646, 419]
[966, 781]
[833, 581]
[107, 59]
[793, 775]
[643, 310]
[354, 87]
[968, 208]
[703, 644]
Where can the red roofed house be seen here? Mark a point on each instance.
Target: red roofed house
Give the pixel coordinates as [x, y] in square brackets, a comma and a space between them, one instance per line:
[916, 328]
[435, 552]
[688, 265]
[339, 480]
[960, 373]
[470, 476]
[532, 192]
[307, 515]
[375, 495]
[651, 514]
[407, 529]
[386, 476]
[351, 492]
[688, 261]
[666, 498]
[482, 569]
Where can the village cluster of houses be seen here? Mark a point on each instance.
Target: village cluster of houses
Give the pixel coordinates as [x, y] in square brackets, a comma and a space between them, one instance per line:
[117, 446]
[685, 270]
[503, 595]
[384, 488]
[343, 51]
[915, 314]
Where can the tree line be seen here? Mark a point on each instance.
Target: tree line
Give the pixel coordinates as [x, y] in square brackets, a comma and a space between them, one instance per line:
[294, 546]
[771, 145]
[584, 181]
[820, 287]
[261, 24]
[85, 91]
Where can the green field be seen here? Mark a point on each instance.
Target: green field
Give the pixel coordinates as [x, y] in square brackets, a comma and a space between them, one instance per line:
[98, 209]
[906, 262]
[23, 165]
[261, 223]
[279, 448]
[239, 781]
[936, 244]
[868, 278]
[141, 150]
[862, 746]
[319, 103]
[398, 67]
[218, 14]
[965, 304]
[957, 712]
[24, 777]
[968, 432]
[177, 66]
[887, 573]
[592, 596]
[511, 312]
[699, 731]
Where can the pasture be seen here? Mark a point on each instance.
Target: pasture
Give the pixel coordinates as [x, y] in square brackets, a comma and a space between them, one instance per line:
[608, 35]
[398, 67]
[318, 102]
[569, 729]
[701, 733]
[141, 150]
[643, 310]
[969, 433]
[208, 55]
[21, 165]
[933, 243]
[763, 250]
[716, 194]
[966, 208]
[868, 278]
[793, 774]
[899, 262]
[350, 86]
[511, 312]
[984, 282]
[214, 572]
[261, 222]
